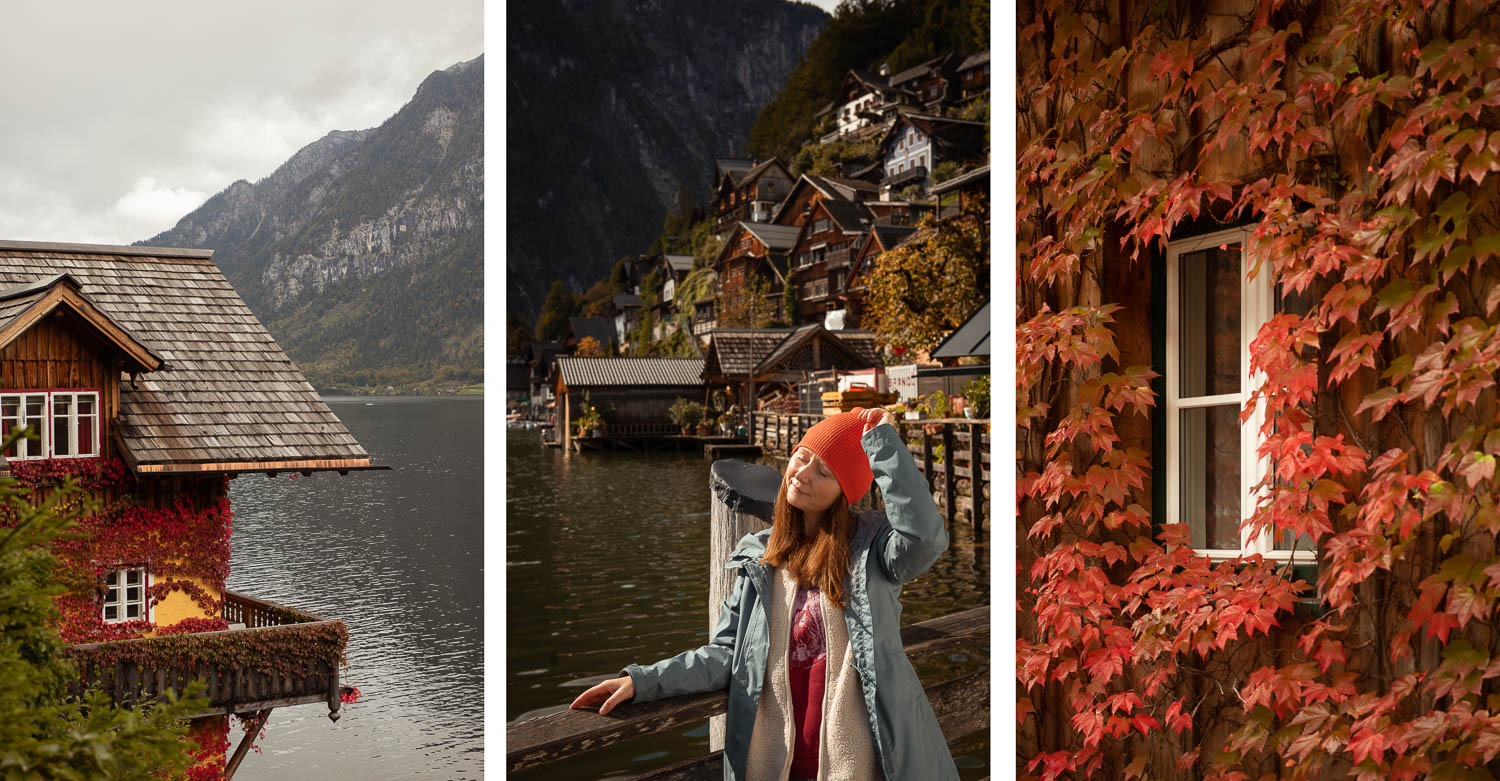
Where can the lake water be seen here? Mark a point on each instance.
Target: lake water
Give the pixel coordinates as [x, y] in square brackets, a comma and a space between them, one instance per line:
[398, 555]
[607, 563]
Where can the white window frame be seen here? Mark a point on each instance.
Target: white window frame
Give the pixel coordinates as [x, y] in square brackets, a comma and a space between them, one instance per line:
[46, 445]
[148, 612]
[1258, 303]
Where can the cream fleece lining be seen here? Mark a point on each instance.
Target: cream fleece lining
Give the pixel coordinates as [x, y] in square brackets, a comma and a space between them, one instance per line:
[845, 749]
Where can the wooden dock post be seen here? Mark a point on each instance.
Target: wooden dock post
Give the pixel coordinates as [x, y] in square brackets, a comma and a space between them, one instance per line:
[744, 496]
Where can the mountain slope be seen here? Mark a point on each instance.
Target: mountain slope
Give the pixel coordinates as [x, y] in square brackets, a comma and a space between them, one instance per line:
[613, 106]
[363, 253]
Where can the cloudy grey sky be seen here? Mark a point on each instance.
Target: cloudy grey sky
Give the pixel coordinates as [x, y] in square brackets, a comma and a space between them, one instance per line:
[120, 118]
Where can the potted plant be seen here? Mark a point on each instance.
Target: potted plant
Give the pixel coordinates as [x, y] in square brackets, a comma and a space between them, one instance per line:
[685, 413]
[590, 421]
[978, 393]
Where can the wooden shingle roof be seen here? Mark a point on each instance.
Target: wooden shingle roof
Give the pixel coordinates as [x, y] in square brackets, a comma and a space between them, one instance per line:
[594, 372]
[739, 350]
[226, 397]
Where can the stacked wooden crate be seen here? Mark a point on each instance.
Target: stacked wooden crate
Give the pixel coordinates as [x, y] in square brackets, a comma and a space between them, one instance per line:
[843, 401]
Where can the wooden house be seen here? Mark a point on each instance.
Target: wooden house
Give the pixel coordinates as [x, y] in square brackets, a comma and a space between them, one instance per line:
[670, 273]
[973, 77]
[823, 254]
[917, 143]
[752, 362]
[626, 309]
[143, 374]
[851, 296]
[959, 193]
[754, 255]
[750, 196]
[930, 85]
[797, 208]
[632, 394]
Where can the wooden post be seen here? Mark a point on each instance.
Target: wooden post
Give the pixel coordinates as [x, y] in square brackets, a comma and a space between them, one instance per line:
[950, 471]
[927, 456]
[744, 496]
[976, 481]
[257, 722]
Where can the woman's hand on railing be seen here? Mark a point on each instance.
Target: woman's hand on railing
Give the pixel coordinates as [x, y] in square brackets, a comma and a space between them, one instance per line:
[611, 692]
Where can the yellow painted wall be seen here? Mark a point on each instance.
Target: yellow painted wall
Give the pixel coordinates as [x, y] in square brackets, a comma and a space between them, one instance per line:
[179, 605]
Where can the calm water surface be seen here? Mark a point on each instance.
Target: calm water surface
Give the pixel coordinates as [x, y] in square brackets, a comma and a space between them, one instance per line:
[607, 563]
[398, 556]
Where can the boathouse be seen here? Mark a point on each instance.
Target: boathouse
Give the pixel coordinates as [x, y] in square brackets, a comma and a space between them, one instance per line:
[141, 373]
[633, 394]
[752, 363]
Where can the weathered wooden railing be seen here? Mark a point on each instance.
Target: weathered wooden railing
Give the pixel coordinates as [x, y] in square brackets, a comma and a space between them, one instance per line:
[238, 666]
[779, 432]
[961, 705]
[950, 472]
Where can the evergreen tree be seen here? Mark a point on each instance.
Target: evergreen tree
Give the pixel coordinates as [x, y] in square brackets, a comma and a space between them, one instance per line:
[552, 323]
[42, 733]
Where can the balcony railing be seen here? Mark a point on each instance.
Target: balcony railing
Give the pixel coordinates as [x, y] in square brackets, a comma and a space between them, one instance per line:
[281, 657]
[839, 257]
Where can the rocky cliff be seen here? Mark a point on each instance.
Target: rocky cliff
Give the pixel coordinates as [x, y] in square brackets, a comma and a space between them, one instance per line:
[612, 106]
[363, 253]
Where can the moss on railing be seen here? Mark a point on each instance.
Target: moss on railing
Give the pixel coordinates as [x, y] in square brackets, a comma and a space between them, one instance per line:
[275, 650]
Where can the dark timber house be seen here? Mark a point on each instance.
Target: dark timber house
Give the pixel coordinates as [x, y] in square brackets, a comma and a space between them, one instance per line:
[142, 373]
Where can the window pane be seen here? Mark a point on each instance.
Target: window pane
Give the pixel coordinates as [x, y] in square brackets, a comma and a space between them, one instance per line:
[1209, 494]
[111, 612]
[113, 578]
[132, 576]
[133, 611]
[1208, 299]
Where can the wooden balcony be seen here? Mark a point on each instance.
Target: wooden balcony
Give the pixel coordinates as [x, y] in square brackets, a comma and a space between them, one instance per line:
[281, 657]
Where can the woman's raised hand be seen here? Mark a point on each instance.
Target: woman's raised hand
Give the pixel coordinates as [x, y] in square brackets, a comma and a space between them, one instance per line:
[611, 692]
[875, 416]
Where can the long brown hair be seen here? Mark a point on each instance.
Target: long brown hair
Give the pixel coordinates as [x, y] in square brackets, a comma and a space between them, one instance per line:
[821, 560]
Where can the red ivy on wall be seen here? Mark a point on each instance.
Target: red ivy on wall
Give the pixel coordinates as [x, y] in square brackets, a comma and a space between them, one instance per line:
[176, 544]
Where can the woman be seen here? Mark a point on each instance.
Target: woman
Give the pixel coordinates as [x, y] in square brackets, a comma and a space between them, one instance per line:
[808, 641]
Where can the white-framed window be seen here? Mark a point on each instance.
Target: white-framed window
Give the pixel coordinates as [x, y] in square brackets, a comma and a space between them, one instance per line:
[66, 423]
[125, 596]
[1213, 311]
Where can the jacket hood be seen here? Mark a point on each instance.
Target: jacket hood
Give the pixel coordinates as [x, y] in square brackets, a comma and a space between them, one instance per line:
[752, 546]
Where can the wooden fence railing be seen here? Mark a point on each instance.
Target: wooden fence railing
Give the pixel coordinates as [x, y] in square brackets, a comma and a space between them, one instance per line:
[961, 705]
[132, 671]
[779, 432]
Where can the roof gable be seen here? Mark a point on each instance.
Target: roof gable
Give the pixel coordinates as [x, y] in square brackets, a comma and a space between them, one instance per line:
[970, 338]
[23, 306]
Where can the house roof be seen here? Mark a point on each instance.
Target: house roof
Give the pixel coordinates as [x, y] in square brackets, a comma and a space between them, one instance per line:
[225, 397]
[624, 300]
[601, 328]
[23, 305]
[891, 235]
[679, 262]
[918, 70]
[739, 350]
[978, 178]
[947, 133]
[775, 237]
[724, 165]
[850, 217]
[594, 372]
[975, 60]
[859, 347]
[971, 338]
[743, 351]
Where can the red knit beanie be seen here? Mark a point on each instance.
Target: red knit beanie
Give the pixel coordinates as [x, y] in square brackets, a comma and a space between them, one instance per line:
[836, 440]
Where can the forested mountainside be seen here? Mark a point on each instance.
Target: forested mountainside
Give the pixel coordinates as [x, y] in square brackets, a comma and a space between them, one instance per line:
[616, 110]
[865, 34]
[363, 253]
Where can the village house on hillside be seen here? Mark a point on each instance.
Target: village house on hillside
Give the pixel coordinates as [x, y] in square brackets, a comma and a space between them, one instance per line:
[752, 251]
[143, 374]
[917, 143]
[750, 196]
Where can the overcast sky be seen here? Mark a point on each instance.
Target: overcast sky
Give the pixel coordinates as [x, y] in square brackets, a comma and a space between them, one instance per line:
[120, 118]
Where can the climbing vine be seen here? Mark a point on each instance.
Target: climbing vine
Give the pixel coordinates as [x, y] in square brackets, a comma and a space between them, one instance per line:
[184, 546]
[1355, 140]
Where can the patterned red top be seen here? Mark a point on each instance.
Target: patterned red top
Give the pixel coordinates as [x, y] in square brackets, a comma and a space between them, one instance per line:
[807, 661]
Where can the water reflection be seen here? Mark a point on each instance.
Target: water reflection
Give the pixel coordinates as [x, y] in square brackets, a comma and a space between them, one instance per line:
[607, 563]
[398, 556]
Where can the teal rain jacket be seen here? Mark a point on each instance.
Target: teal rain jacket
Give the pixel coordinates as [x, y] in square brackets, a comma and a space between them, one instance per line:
[888, 549]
